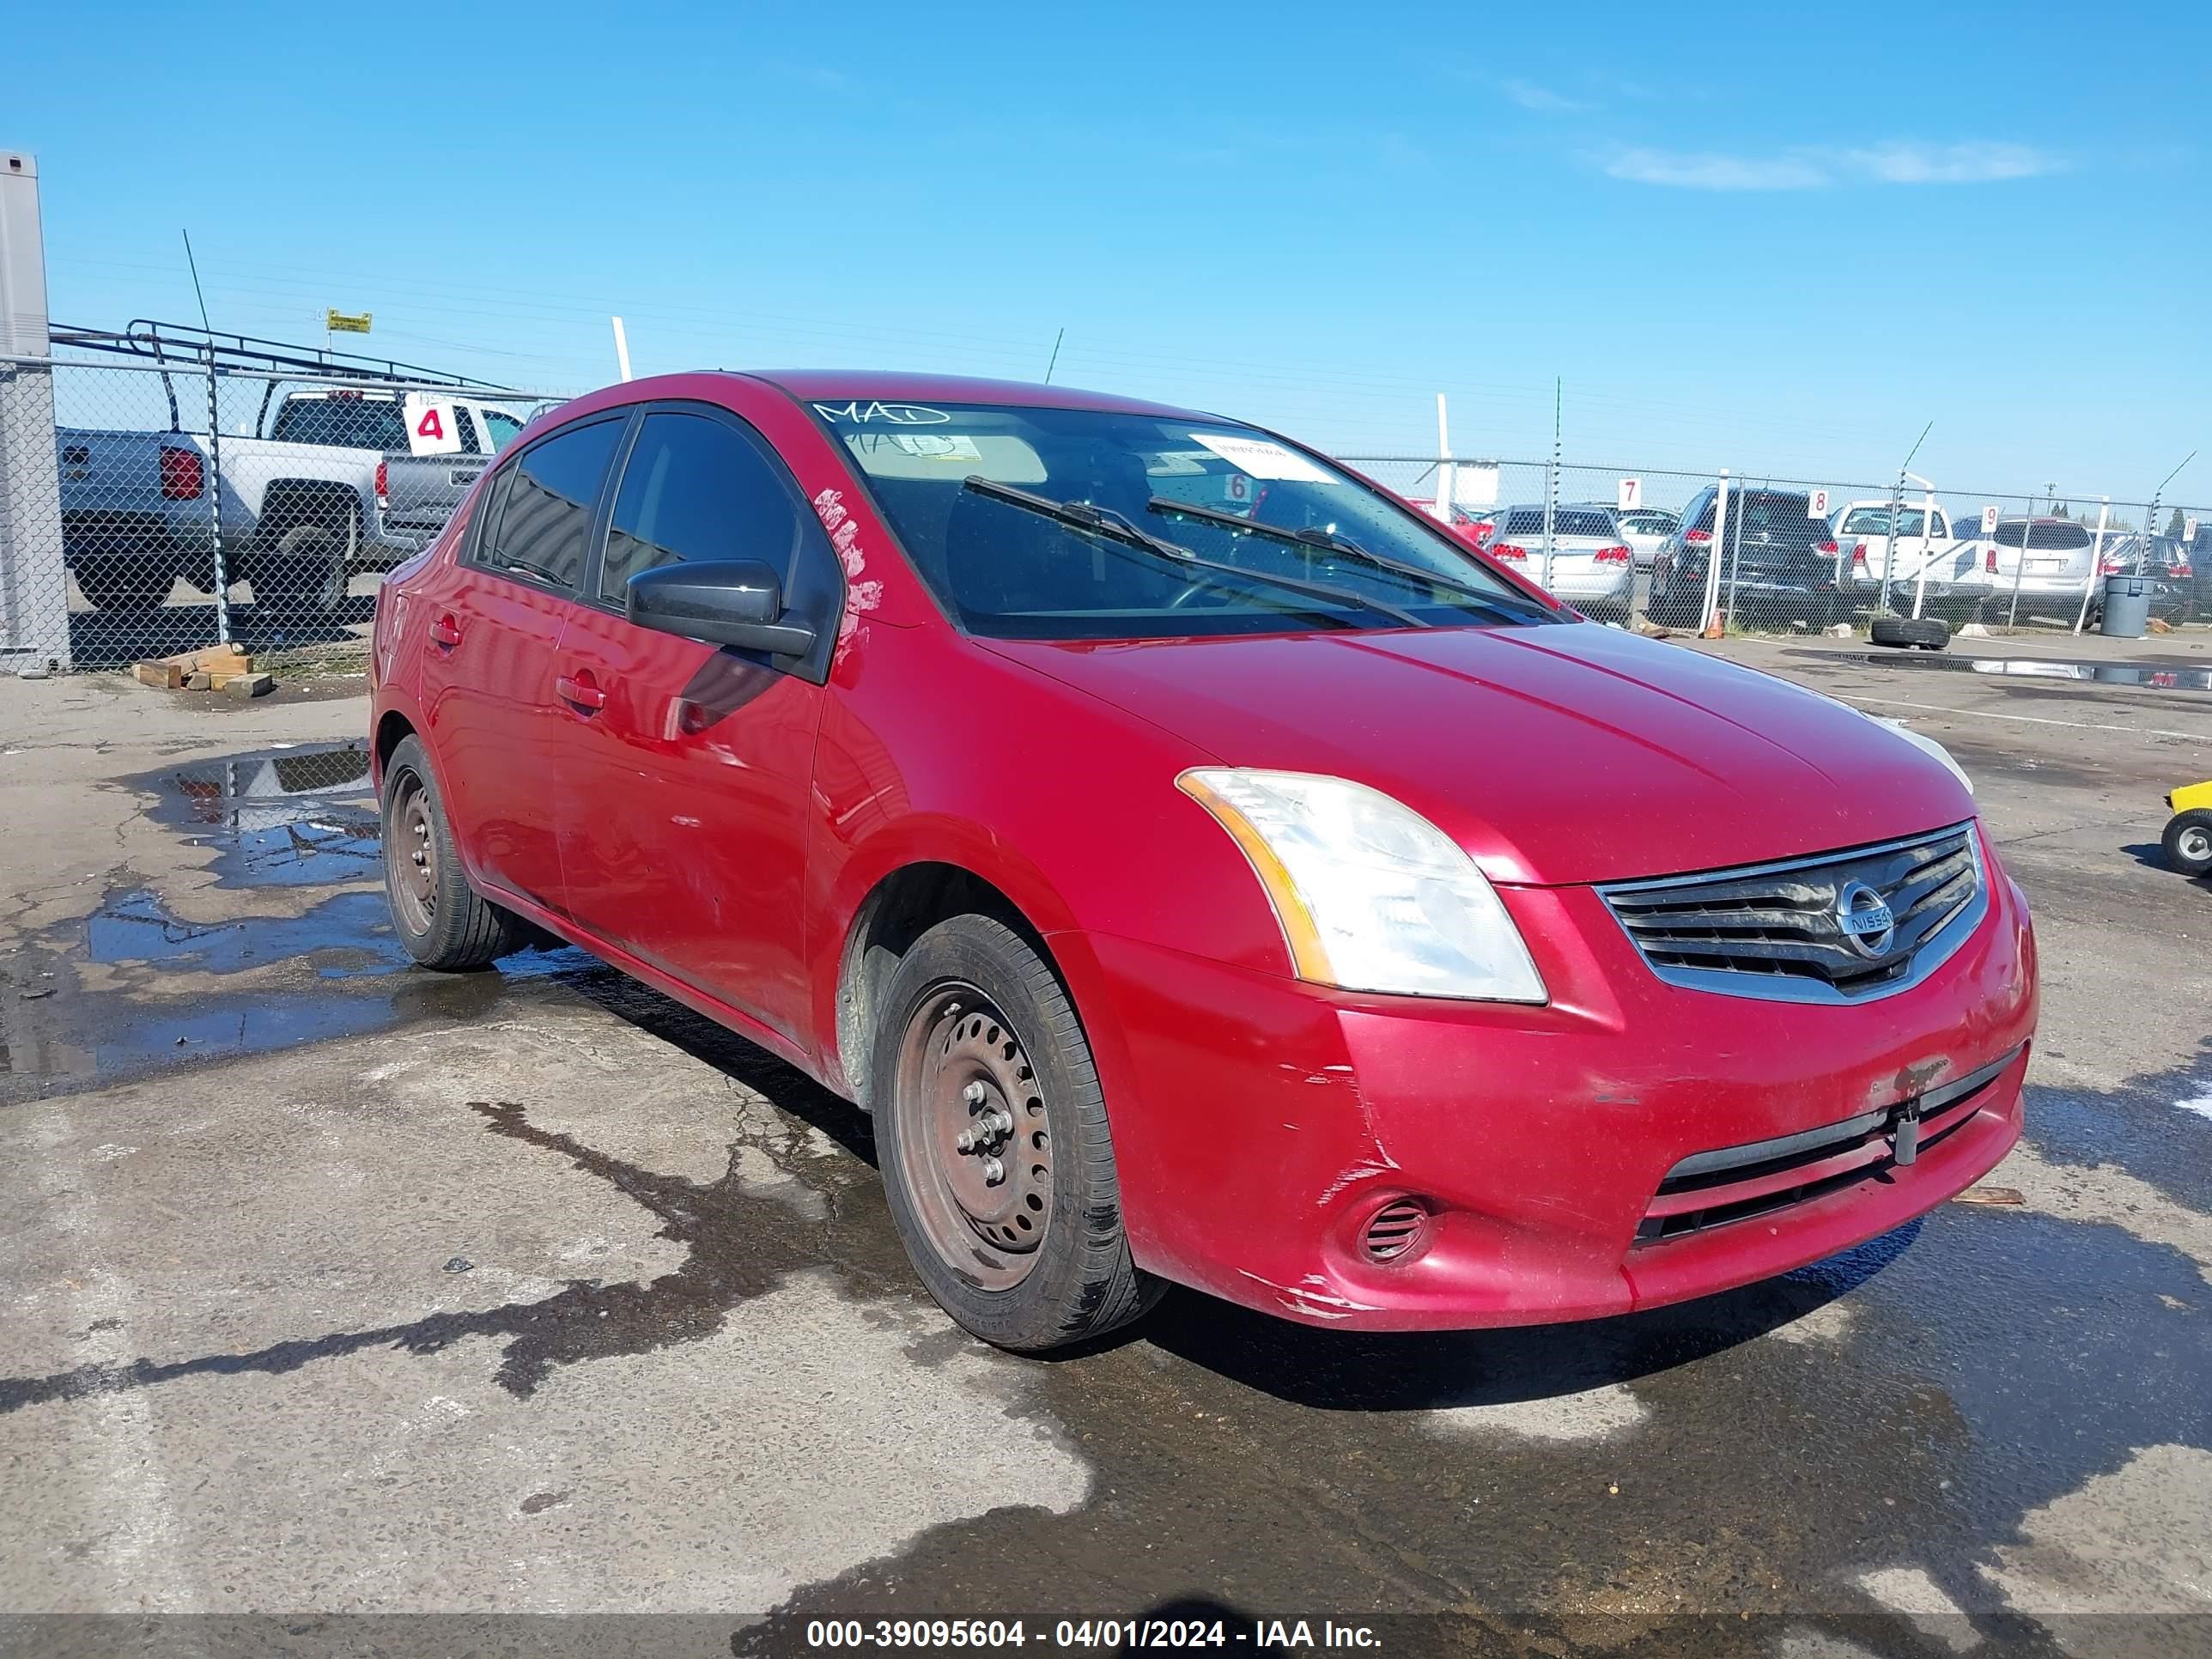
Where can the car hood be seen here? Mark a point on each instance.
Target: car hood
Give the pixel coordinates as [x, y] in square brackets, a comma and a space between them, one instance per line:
[1555, 754]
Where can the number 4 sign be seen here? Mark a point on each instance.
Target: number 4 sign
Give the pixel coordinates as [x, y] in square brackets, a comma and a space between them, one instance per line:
[1631, 494]
[431, 428]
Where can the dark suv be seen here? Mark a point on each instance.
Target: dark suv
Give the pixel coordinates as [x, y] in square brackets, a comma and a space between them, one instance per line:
[1778, 562]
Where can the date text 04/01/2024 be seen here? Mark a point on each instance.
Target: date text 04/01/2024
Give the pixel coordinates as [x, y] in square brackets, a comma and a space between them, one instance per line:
[1288, 1634]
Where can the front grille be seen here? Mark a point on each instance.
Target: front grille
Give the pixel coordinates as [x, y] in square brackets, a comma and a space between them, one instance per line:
[1809, 930]
[1735, 1183]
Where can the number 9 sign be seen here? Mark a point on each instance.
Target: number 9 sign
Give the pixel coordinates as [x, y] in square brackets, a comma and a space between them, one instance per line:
[430, 427]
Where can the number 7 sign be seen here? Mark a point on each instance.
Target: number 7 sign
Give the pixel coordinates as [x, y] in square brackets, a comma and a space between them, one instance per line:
[430, 427]
[1631, 494]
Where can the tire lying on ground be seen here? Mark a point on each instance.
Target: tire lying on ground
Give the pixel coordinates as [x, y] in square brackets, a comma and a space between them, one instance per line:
[1927, 633]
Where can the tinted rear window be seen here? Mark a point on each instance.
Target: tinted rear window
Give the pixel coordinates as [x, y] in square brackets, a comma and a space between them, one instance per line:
[2046, 537]
[349, 423]
[1565, 521]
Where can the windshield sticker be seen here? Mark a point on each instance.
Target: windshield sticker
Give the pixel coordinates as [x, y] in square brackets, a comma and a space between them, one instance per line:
[1263, 458]
[882, 414]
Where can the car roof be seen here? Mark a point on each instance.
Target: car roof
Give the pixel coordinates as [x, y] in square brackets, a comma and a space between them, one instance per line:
[841, 385]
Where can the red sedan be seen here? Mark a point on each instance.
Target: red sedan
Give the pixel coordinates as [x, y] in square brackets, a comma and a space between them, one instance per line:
[1201, 867]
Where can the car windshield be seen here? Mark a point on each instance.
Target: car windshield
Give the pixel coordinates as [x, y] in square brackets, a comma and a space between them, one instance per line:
[1583, 522]
[1874, 521]
[352, 422]
[1197, 528]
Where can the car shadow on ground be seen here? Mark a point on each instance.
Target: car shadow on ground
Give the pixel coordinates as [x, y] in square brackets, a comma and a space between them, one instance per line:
[116, 639]
[1314, 1366]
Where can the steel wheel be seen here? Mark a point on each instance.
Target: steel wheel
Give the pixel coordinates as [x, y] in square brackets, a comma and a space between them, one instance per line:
[414, 886]
[972, 1118]
[2194, 844]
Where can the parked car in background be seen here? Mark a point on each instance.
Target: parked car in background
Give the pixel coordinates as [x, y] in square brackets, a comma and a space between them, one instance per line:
[1472, 526]
[1321, 919]
[2160, 560]
[1592, 566]
[1778, 565]
[304, 500]
[303, 505]
[1645, 529]
[2048, 564]
[1926, 563]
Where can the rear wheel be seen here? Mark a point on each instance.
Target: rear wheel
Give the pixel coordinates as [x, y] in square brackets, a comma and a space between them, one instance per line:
[304, 575]
[125, 583]
[443, 922]
[992, 1131]
[2188, 842]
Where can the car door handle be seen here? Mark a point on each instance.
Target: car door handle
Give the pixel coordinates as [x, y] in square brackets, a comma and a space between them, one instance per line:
[446, 632]
[582, 689]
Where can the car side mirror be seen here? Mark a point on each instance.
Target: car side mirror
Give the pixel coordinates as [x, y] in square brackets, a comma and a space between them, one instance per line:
[724, 602]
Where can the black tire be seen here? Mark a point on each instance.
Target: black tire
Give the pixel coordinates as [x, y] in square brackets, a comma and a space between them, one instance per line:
[1926, 632]
[443, 922]
[2188, 842]
[125, 583]
[304, 575]
[1077, 1282]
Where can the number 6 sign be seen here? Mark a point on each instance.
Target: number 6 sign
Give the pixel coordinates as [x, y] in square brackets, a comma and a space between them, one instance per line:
[431, 428]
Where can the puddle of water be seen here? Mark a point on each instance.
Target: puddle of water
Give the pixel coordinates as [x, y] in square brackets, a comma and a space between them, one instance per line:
[346, 936]
[279, 817]
[2156, 676]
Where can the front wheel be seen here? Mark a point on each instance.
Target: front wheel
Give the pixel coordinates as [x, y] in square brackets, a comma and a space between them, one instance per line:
[992, 1131]
[2188, 842]
[442, 921]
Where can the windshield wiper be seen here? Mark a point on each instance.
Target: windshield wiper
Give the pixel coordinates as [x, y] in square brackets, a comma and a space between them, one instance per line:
[1104, 521]
[1312, 537]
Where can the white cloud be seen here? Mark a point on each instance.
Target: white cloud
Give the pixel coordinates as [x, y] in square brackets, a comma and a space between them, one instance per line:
[1541, 100]
[1897, 162]
[1687, 171]
[1946, 164]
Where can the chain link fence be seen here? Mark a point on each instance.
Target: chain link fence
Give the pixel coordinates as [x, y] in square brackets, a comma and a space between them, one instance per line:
[164, 490]
[1789, 554]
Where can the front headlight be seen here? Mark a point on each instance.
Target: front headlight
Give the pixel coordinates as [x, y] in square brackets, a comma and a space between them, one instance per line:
[1372, 896]
[1927, 745]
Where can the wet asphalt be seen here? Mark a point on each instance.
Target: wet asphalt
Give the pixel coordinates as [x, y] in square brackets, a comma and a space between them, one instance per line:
[274, 1195]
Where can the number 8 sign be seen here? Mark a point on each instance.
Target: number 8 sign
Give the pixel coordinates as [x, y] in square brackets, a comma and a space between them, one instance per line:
[431, 428]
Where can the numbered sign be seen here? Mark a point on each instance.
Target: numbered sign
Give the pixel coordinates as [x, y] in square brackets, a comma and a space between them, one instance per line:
[1631, 493]
[1990, 520]
[1816, 504]
[1238, 490]
[430, 427]
[2189, 530]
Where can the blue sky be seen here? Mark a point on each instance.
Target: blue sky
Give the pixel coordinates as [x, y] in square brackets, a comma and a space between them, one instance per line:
[1770, 238]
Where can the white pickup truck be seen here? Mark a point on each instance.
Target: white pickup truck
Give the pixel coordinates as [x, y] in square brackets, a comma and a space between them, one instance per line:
[302, 506]
[1957, 568]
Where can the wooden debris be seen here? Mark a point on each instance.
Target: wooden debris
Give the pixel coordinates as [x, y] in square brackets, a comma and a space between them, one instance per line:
[249, 685]
[2007, 1197]
[201, 670]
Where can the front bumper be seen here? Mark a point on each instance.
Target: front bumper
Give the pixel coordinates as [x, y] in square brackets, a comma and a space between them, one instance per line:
[1261, 1124]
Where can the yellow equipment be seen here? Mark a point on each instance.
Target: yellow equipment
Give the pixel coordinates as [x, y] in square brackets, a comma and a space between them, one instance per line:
[2187, 839]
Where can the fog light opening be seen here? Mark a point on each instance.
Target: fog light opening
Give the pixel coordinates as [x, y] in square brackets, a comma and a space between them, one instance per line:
[1396, 1231]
